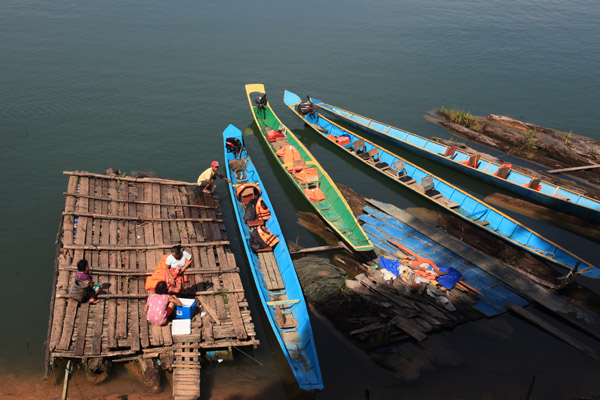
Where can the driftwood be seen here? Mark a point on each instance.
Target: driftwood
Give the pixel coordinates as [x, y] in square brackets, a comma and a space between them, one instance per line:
[549, 147]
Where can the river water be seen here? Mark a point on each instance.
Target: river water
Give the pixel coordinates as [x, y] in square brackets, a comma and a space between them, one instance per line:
[150, 85]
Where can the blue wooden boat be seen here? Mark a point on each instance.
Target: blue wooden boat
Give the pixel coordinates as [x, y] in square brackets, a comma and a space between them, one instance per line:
[275, 278]
[442, 193]
[502, 175]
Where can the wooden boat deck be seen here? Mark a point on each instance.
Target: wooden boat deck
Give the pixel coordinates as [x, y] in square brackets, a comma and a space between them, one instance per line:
[123, 226]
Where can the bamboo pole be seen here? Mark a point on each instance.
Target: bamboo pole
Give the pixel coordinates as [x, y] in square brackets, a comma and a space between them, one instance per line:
[66, 382]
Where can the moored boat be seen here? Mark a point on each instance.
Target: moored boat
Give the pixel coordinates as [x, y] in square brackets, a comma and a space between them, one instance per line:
[441, 192]
[307, 175]
[272, 268]
[502, 175]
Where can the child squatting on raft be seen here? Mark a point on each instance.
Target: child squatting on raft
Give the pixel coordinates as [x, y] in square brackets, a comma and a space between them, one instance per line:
[84, 288]
[159, 305]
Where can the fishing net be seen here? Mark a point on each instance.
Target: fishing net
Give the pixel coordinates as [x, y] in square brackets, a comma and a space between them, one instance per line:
[319, 278]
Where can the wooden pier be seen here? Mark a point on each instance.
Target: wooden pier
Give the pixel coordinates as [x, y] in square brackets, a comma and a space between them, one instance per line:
[123, 226]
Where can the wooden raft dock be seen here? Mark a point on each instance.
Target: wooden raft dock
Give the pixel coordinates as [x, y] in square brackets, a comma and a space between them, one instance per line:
[123, 226]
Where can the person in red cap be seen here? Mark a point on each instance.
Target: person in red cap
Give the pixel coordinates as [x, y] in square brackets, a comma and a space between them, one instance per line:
[206, 180]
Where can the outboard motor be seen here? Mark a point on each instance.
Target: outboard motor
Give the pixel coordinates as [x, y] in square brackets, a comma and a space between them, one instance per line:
[261, 102]
[307, 107]
[233, 145]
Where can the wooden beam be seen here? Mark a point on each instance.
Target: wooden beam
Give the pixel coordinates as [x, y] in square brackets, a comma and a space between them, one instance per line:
[138, 218]
[118, 247]
[130, 179]
[555, 171]
[78, 195]
[143, 296]
[553, 330]
[137, 272]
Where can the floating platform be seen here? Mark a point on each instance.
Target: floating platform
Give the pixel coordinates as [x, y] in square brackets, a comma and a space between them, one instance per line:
[123, 226]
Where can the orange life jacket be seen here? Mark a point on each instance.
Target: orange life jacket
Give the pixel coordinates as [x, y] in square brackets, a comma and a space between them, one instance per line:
[246, 189]
[262, 210]
[270, 239]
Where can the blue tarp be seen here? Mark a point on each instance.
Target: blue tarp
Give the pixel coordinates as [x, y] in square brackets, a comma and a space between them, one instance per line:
[449, 280]
[389, 264]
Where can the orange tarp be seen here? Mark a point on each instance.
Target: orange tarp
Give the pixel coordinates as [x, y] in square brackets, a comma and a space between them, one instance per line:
[158, 275]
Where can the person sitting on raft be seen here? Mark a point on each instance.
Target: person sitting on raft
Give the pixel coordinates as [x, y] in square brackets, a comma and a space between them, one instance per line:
[84, 288]
[206, 180]
[159, 305]
[177, 262]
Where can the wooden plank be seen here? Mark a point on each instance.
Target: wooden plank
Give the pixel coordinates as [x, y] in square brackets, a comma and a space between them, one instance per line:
[68, 325]
[234, 309]
[82, 323]
[554, 331]
[409, 327]
[166, 334]
[98, 327]
[209, 308]
[144, 328]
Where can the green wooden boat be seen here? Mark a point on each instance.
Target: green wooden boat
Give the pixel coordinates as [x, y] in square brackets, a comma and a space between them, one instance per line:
[306, 173]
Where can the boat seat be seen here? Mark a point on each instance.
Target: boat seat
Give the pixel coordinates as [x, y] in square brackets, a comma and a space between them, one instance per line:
[375, 159]
[473, 161]
[450, 152]
[308, 177]
[264, 250]
[255, 223]
[452, 204]
[359, 147]
[534, 184]
[295, 166]
[285, 320]
[503, 171]
[399, 170]
[279, 143]
[429, 187]
[247, 194]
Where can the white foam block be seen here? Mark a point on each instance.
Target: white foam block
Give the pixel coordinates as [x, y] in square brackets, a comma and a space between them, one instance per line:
[181, 327]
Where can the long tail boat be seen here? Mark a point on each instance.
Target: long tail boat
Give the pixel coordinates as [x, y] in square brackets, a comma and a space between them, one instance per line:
[441, 192]
[502, 175]
[309, 177]
[272, 268]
